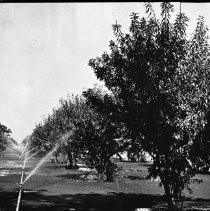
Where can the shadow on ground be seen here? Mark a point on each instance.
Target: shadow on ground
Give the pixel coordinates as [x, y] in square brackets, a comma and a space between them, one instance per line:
[38, 200]
[81, 202]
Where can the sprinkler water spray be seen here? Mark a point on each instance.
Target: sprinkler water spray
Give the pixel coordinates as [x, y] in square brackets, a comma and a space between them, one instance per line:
[21, 181]
[24, 155]
[40, 163]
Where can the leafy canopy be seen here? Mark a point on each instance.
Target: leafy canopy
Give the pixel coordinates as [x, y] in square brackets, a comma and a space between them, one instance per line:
[160, 83]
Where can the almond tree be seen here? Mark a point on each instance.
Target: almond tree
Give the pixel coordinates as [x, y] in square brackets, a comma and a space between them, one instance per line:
[54, 129]
[98, 138]
[92, 135]
[196, 94]
[156, 77]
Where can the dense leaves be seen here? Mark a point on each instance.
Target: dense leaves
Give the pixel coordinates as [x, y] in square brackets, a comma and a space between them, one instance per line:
[4, 135]
[158, 102]
[81, 133]
[56, 129]
[160, 83]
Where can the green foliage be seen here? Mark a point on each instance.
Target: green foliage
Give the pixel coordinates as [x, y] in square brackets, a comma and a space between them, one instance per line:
[4, 135]
[56, 128]
[194, 90]
[91, 135]
[160, 91]
[98, 137]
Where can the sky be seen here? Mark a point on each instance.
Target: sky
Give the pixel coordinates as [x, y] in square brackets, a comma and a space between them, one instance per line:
[45, 49]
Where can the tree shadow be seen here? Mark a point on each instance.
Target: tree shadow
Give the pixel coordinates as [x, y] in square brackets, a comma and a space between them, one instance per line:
[83, 202]
[40, 201]
[203, 204]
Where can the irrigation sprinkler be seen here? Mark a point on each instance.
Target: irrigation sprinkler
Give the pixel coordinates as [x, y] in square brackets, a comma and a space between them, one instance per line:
[20, 192]
[24, 154]
[21, 181]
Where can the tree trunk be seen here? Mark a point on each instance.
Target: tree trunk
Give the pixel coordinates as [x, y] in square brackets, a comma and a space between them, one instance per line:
[70, 158]
[110, 172]
[56, 158]
[109, 176]
[132, 157]
[169, 197]
[164, 180]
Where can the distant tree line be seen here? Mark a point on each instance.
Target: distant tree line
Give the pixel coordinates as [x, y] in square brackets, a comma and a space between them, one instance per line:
[4, 135]
[81, 133]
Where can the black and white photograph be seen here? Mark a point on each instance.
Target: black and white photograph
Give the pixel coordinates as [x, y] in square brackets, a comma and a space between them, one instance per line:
[104, 106]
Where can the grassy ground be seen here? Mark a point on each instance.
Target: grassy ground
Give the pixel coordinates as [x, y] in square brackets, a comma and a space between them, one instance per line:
[53, 187]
